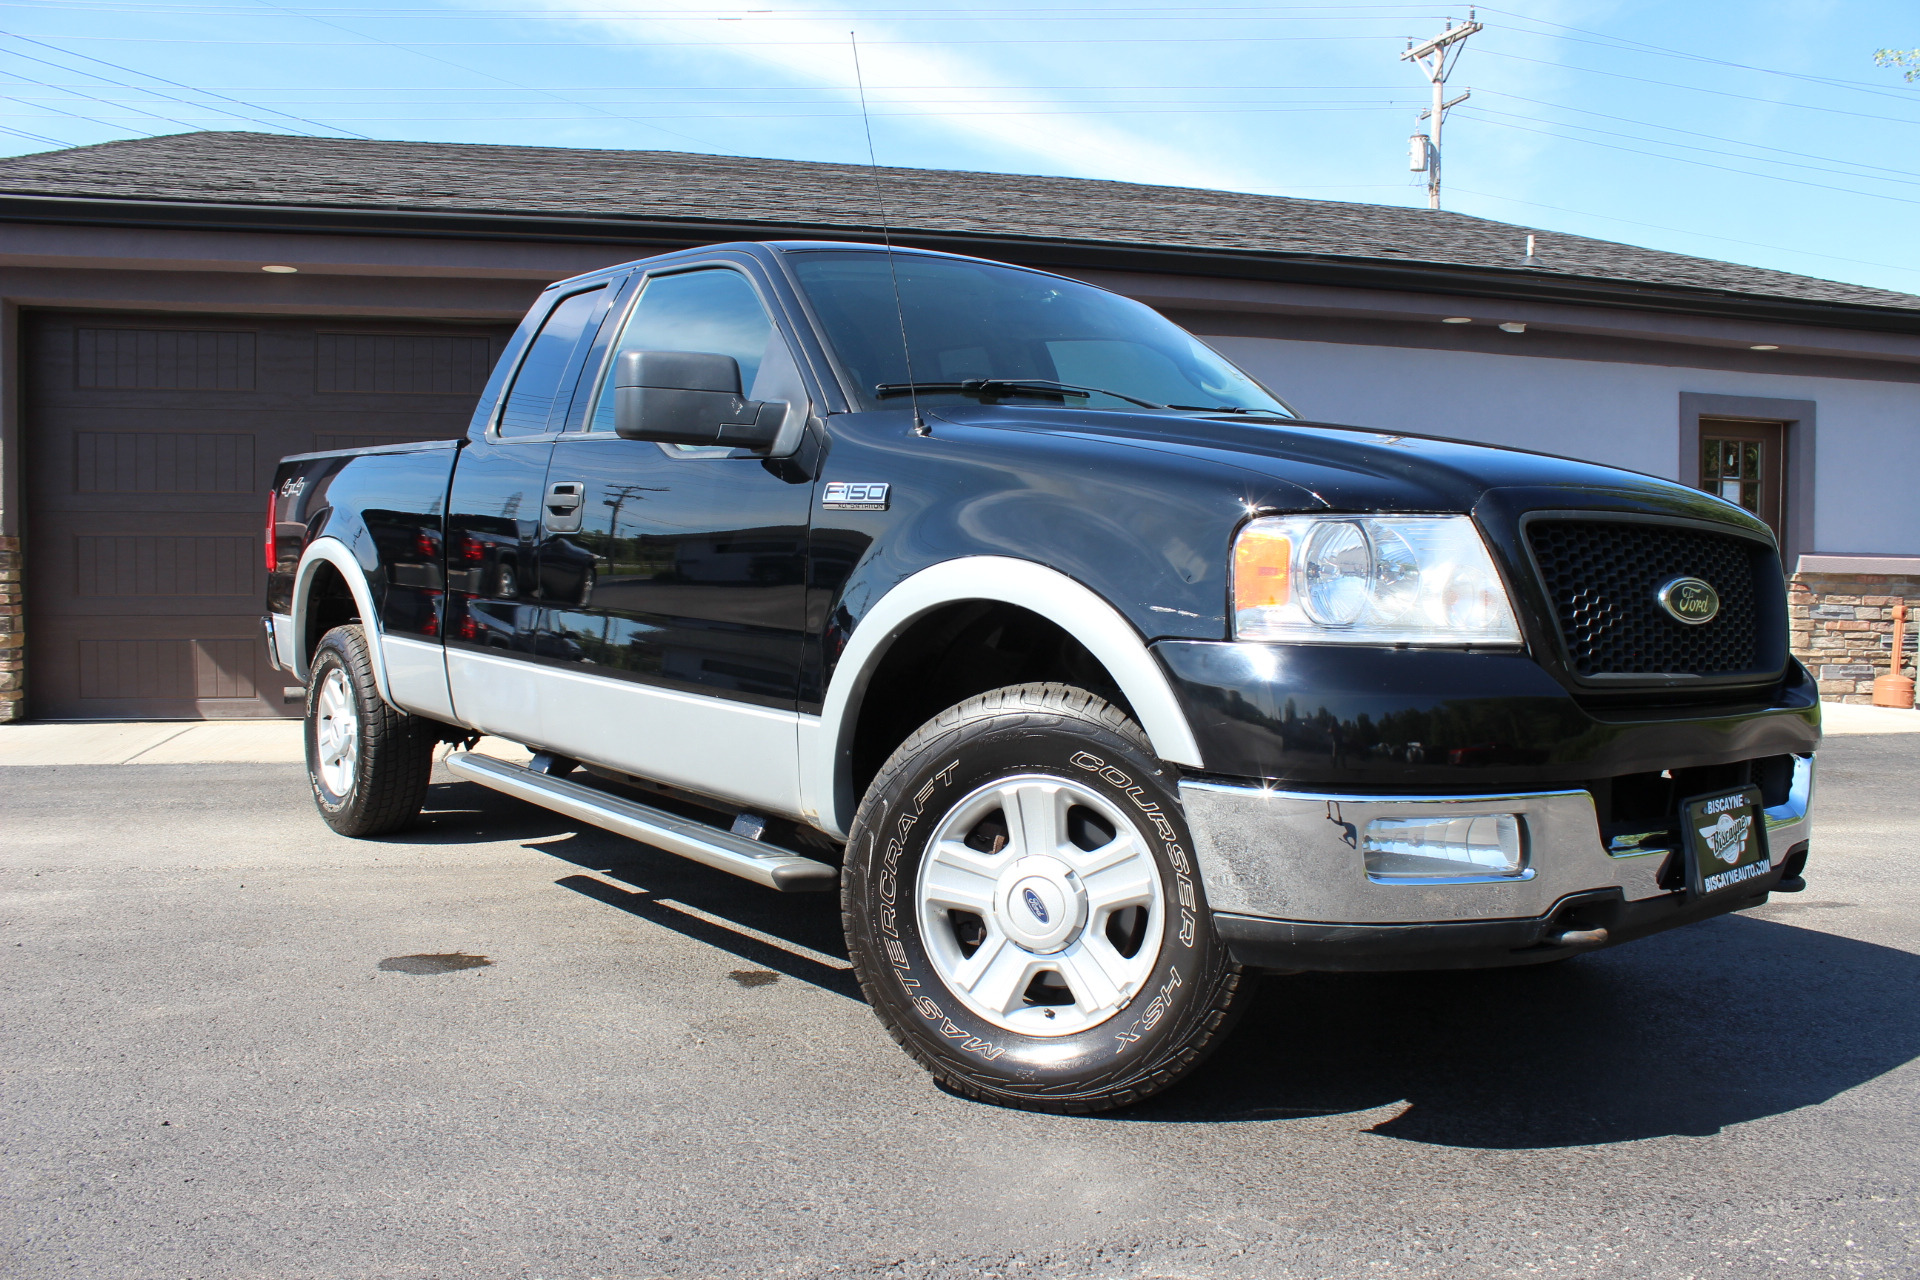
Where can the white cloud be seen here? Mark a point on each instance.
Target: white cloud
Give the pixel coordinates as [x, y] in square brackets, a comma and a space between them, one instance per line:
[818, 52]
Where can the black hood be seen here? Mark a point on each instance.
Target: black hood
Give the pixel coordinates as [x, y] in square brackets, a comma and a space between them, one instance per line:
[1343, 468]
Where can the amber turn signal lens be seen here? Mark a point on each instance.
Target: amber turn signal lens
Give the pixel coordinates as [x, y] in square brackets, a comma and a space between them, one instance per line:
[1262, 564]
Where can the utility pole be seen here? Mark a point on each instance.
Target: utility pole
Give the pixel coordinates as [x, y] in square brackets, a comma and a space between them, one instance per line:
[1436, 57]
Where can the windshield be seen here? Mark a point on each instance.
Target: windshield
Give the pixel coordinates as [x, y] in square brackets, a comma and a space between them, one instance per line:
[975, 320]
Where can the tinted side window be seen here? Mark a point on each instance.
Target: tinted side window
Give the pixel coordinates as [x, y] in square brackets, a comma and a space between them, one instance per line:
[542, 374]
[714, 311]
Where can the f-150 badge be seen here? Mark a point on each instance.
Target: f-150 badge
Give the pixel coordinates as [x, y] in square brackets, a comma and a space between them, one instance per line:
[854, 495]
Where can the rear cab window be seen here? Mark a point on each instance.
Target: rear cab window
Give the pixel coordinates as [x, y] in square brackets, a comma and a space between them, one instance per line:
[535, 404]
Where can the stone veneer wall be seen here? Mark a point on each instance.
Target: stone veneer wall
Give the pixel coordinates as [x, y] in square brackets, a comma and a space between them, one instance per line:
[1842, 626]
[13, 634]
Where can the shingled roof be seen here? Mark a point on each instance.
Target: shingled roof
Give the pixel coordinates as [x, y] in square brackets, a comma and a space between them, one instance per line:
[553, 183]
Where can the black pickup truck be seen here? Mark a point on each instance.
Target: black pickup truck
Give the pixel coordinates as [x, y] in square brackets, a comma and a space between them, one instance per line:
[1093, 678]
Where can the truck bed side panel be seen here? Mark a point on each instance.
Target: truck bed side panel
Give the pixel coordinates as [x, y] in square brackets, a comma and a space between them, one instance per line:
[387, 507]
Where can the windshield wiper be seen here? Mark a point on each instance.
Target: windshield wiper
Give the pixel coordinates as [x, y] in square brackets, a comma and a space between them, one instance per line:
[1230, 408]
[1001, 386]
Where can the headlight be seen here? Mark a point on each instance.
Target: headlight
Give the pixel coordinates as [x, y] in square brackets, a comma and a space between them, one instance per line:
[1368, 580]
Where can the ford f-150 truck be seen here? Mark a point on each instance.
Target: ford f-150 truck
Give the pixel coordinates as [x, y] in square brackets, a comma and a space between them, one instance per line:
[1093, 678]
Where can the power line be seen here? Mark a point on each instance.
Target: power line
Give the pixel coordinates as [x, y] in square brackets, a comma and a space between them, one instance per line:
[163, 80]
[15, 53]
[709, 44]
[1691, 133]
[1662, 142]
[36, 137]
[124, 85]
[51, 106]
[491, 76]
[1156, 13]
[1752, 244]
[1774, 177]
[855, 115]
[802, 88]
[1149, 13]
[1621, 43]
[1694, 88]
[1296, 13]
[973, 99]
[1054, 106]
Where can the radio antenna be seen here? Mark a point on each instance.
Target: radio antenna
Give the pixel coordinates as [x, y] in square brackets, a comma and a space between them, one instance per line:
[920, 427]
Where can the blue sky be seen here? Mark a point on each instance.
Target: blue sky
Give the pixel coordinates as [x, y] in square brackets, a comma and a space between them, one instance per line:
[1754, 132]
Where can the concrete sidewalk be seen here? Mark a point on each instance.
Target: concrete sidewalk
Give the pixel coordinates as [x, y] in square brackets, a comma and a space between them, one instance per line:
[174, 742]
[279, 741]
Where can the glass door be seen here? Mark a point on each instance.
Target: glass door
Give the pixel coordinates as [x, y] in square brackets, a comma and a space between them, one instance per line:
[1742, 463]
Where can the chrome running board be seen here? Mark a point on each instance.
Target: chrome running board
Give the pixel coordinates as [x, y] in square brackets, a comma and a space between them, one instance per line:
[764, 864]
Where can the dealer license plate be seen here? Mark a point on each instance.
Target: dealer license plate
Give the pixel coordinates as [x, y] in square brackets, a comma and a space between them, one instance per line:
[1726, 837]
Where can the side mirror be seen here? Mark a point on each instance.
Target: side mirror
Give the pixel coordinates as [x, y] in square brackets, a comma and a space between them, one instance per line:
[689, 397]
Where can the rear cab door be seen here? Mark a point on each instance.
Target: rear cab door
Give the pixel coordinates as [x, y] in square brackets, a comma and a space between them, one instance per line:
[493, 527]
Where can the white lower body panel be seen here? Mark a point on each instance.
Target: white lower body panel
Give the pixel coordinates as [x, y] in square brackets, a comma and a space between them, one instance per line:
[417, 676]
[717, 747]
[499, 696]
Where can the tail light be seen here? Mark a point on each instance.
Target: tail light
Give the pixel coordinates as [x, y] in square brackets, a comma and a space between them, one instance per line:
[456, 619]
[273, 530]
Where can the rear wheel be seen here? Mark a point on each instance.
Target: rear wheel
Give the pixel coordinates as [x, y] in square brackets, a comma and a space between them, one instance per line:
[1023, 911]
[368, 763]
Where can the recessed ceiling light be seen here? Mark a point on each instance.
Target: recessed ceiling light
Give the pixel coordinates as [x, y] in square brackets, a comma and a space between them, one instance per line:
[1764, 346]
[1514, 326]
[280, 270]
[1458, 320]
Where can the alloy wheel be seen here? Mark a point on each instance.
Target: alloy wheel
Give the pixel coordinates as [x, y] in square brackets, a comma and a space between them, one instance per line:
[337, 733]
[1041, 905]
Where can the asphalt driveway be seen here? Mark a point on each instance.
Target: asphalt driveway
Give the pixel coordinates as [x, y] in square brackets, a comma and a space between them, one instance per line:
[227, 1049]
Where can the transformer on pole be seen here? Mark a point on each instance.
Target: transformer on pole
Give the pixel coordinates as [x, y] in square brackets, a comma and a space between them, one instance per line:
[1436, 57]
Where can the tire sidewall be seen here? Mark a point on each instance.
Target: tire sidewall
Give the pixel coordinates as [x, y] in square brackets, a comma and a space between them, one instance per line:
[887, 855]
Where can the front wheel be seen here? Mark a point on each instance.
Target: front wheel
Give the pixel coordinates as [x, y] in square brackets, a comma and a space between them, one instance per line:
[367, 762]
[1023, 910]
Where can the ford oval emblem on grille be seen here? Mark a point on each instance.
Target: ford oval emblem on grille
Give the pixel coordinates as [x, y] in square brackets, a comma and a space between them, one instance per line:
[1034, 905]
[1690, 600]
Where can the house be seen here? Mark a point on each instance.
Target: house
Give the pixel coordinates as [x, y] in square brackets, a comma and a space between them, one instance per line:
[177, 313]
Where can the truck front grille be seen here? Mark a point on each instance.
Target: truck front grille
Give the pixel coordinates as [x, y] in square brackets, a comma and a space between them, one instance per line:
[1602, 578]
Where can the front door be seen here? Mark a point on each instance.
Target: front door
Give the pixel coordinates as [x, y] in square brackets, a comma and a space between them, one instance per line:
[1742, 462]
[492, 607]
[675, 590]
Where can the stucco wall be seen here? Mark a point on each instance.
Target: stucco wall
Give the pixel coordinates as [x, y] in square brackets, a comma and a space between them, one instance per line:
[1867, 492]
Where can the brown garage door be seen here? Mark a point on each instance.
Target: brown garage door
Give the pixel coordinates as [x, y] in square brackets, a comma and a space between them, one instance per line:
[150, 443]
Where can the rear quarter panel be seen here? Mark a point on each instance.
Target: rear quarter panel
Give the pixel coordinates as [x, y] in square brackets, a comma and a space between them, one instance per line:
[387, 506]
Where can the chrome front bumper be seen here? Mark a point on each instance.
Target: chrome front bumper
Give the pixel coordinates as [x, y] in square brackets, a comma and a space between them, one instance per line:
[1296, 856]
